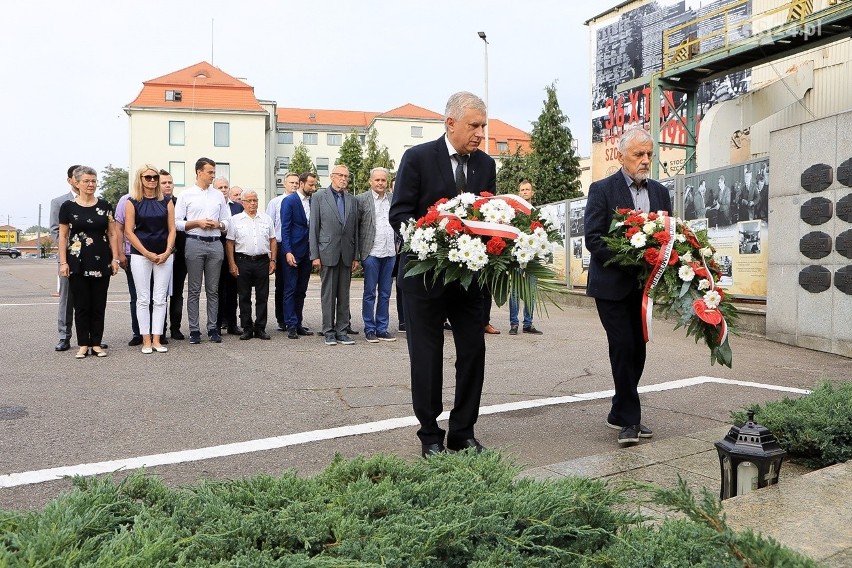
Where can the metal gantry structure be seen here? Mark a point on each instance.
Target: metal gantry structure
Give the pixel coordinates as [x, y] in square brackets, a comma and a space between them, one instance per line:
[786, 30]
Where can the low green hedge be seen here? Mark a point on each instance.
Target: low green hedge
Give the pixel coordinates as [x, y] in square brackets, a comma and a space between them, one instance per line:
[815, 429]
[451, 510]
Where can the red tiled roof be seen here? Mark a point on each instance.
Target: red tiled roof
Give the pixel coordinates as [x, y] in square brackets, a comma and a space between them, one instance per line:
[409, 110]
[355, 118]
[8, 228]
[499, 131]
[202, 86]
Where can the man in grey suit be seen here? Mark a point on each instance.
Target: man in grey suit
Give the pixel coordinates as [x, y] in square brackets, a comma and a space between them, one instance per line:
[378, 255]
[333, 241]
[66, 306]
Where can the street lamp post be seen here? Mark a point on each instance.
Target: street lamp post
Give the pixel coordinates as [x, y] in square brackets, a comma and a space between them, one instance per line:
[482, 37]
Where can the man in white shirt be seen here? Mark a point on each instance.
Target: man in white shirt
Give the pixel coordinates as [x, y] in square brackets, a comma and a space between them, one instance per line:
[251, 250]
[378, 256]
[203, 215]
[273, 209]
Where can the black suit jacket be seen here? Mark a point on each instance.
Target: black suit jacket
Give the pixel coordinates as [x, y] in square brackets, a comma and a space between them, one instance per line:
[426, 175]
[605, 196]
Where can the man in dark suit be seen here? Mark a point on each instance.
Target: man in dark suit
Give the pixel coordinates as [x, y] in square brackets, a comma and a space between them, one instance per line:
[227, 315]
[617, 291]
[333, 239]
[294, 216]
[66, 305]
[444, 168]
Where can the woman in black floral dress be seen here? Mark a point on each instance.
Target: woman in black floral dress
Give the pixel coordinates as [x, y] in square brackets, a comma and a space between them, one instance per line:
[88, 256]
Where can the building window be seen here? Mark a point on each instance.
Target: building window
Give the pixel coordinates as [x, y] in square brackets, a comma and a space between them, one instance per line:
[221, 134]
[322, 166]
[334, 139]
[177, 132]
[502, 147]
[309, 138]
[362, 138]
[417, 132]
[282, 163]
[174, 96]
[285, 137]
[178, 171]
[223, 169]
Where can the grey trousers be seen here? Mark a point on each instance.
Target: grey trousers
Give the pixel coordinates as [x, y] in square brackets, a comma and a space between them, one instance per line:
[334, 297]
[203, 260]
[66, 309]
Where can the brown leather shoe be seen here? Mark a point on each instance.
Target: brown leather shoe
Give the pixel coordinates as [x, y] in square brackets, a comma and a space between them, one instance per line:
[491, 330]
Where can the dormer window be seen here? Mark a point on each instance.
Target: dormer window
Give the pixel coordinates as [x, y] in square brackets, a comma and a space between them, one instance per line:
[174, 96]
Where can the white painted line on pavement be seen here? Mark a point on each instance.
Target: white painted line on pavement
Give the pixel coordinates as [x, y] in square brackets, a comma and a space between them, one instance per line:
[277, 442]
[52, 304]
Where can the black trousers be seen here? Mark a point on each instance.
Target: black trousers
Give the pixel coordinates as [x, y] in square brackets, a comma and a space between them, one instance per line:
[622, 320]
[254, 274]
[426, 309]
[486, 306]
[90, 298]
[400, 310]
[175, 314]
[228, 291]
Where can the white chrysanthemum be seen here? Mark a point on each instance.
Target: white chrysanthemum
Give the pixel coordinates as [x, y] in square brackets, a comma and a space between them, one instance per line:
[423, 242]
[686, 273]
[497, 211]
[406, 230]
[467, 198]
[649, 228]
[638, 240]
[686, 257]
[706, 252]
[703, 284]
[549, 217]
[460, 211]
[453, 256]
[712, 298]
[680, 238]
[471, 252]
[619, 223]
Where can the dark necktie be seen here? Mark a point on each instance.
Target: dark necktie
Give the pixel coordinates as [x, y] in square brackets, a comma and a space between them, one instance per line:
[461, 182]
[338, 197]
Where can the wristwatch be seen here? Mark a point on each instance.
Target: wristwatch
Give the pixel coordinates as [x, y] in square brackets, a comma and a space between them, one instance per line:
[221, 226]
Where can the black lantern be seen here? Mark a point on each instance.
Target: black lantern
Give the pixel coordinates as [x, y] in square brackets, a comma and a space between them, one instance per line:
[749, 458]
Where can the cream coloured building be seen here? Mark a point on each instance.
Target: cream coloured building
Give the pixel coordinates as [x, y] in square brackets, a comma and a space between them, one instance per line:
[202, 111]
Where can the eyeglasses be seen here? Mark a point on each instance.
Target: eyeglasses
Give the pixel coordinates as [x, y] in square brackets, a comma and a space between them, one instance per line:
[151, 178]
[249, 200]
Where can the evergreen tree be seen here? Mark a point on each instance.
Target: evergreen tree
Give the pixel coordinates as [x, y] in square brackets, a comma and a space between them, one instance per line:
[555, 167]
[514, 168]
[114, 183]
[301, 161]
[375, 156]
[35, 229]
[351, 156]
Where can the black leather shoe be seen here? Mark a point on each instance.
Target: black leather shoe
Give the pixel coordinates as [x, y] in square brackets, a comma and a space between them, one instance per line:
[644, 431]
[176, 334]
[533, 330]
[135, 341]
[470, 443]
[282, 327]
[261, 334]
[63, 345]
[304, 331]
[350, 331]
[629, 435]
[163, 340]
[429, 450]
[246, 334]
[104, 346]
[235, 330]
[292, 333]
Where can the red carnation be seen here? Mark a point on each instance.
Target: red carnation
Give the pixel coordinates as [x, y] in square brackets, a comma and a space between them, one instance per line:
[441, 201]
[477, 205]
[651, 255]
[622, 210]
[631, 231]
[454, 226]
[661, 237]
[485, 194]
[536, 225]
[652, 216]
[495, 246]
[673, 258]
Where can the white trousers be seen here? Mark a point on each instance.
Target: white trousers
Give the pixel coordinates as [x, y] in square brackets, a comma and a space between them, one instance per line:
[151, 323]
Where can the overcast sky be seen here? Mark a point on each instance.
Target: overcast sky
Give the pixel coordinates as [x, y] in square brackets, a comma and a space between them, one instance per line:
[70, 67]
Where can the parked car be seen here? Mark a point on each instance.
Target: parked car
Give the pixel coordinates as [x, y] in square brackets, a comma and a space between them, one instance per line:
[13, 252]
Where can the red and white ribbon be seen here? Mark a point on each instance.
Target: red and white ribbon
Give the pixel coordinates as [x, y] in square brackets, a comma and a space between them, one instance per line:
[486, 228]
[656, 276]
[723, 335]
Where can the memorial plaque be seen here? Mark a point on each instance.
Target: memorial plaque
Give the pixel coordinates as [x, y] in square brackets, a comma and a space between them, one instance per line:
[817, 177]
[815, 245]
[843, 243]
[844, 208]
[843, 280]
[844, 173]
[816, 211]
[815, 279]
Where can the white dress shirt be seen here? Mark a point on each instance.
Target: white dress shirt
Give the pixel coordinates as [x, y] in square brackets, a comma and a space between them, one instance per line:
[196, 203]
[251, 235]
[273, 209]
[384, 245]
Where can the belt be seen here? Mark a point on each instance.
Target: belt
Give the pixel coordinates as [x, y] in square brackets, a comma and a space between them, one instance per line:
[200, 238]
[250, 257]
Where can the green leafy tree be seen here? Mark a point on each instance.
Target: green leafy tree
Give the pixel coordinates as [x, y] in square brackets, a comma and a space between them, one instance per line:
[351, 157]
[114, 183]
[375, 156]
[513, 168]
[556, 168]
[301, 161]
[36, 229]
[45, 247]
